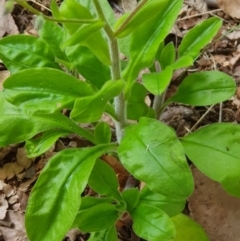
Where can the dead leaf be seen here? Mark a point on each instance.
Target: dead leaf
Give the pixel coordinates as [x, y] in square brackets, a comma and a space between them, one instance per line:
[3, 206]
[128, 5]
[22, 158]
[231, 7]
[3, 75]
[12, 169]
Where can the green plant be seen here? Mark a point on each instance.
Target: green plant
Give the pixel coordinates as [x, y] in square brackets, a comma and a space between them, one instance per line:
[44, 81]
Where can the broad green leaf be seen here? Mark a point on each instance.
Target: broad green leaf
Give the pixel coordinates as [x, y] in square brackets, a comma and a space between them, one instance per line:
[148, 11]
[198, 37]
[96, 218]
[136, 106]
[152, 153]
[188, 230]
[156, 83]
[54, 35]
[103, 180]
[96, 43]
[182, 62]
[170, 206]
[107, 234]
[102, 133]
[214, 149]
[20, 52]
[82, 34]
[146, 39]
[131, 197]
[152, 223]
[88, 65]
[12, 118]
[205, 88]
[56, 196]
[37, 146]
[90, 109]
[167, 56]
[44, 89]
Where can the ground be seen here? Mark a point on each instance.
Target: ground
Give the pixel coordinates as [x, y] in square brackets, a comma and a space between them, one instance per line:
[215, 210]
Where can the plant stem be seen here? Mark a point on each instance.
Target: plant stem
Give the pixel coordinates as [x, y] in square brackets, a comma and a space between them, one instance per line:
[119, 102]
[128, 19]
[36, 12]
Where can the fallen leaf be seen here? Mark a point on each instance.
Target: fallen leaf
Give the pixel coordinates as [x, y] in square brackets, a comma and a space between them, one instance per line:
[231, 7]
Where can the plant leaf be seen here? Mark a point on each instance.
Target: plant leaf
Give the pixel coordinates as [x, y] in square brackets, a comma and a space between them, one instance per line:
[188, 230]
[156, 83]
[107, 234]
[170, 206]
[131, 197]
[214, 149]
[102, 133]
[55, 198]
[90, 109]
[182, 62]
[20, 52]
[199, 36]
[152, 153]
[44, 89]
[146, 39]
[152, 223]
[36, 147]
[103, 180]
[204, 88]
[167, 56]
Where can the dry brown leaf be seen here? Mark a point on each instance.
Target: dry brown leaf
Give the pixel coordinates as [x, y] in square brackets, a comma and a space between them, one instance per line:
[12, 169]
[22, 158]
[231, 7]
[128, 5]
[3, 206]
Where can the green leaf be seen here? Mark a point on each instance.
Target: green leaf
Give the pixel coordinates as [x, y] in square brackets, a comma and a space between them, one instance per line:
[146, 39]
[96, 43]
[204, 88]
[82, 34]
[95, 218]
[170, 206]
[24, 51]
[214, 149]
[156, 83]
[103, 180]
[131, 197]
[152, 153]
[44, 89]
[136, 106]
[102, 133]
[88, 65]
[188, 230]
[152, 223]
[90, 109]
[199, 36]
[54, 35]
[107, 234]
[37, 146]
[148, 11]
[182, 62]
[54, 9]
[55, 198]
[167, 56]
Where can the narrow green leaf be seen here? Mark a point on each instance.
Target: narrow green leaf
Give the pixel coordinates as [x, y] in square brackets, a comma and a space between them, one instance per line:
[156, 83]
[37, 146]
[199, 36]
[205, 88]
[152, 152]
[102, 133]
[55, 198]
[90, 109]
[24, 51]
[188, 230]
[131, 197]
[170, 206]
[215, 151]
[152, 223]
[44, 89]
[54, 9]
[146, 39]
[103, 180]
[167, 56]
[88, 65]
[182, 62]
[136, 106]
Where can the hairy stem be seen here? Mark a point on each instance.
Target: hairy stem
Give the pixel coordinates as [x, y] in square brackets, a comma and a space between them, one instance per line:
[119, 102]
[36, 12]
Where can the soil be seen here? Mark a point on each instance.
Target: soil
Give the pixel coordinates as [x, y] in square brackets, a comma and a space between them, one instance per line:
[210, 205]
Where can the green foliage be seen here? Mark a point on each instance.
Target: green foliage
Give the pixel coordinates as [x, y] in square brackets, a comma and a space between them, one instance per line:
[75, 66]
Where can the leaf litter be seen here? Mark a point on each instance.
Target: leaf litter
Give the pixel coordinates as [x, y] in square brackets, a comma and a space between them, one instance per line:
[18, 173]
